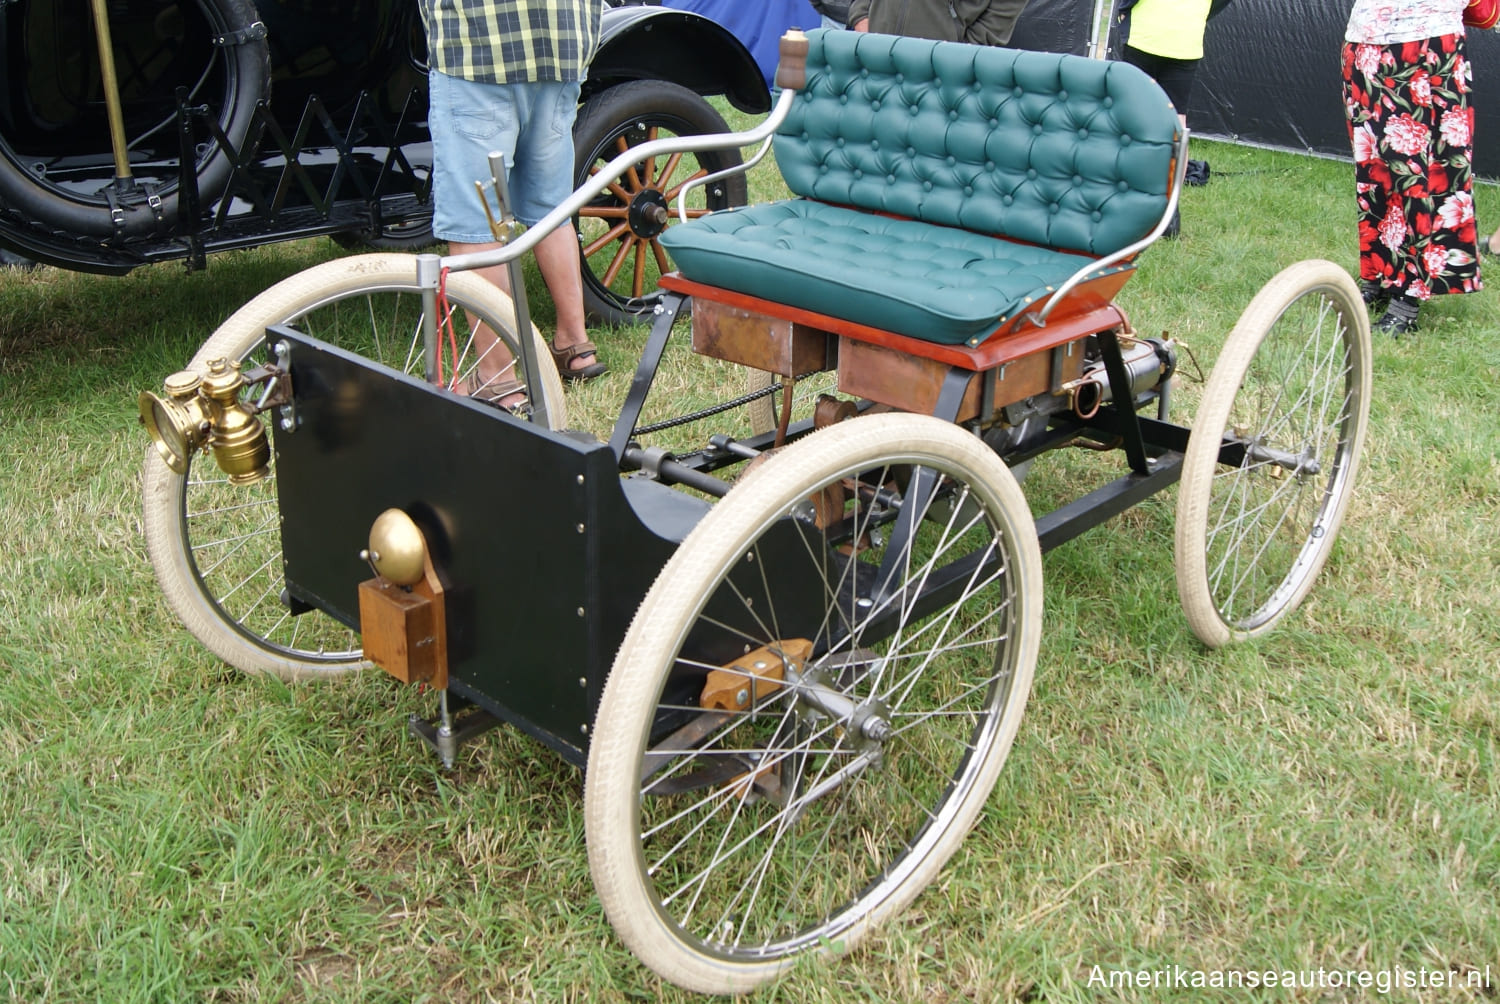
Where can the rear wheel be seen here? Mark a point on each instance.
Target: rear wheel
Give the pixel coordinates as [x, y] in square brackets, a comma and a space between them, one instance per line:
[216, 547]
[1270, 466]
[617, 232]
[813, 701]
[407, 237]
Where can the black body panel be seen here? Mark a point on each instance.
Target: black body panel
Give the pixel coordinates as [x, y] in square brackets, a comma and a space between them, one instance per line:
[544, 550]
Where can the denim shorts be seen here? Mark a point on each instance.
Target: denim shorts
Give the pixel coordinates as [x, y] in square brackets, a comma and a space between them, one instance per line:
[531, 124]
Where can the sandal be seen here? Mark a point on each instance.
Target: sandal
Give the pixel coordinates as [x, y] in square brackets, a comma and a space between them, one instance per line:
[563, 359]
[494, 393]
[1485, 247]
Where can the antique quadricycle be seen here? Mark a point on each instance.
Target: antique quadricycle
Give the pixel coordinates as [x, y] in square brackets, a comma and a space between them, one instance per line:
[792, 662]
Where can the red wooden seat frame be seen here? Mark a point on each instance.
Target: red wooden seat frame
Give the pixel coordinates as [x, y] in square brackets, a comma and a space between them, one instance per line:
[1088, 310]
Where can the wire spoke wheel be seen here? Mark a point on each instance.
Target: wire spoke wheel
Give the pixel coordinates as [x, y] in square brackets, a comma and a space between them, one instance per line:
[216, 547]
[618, 231]
[813, 701]
[1270, 466]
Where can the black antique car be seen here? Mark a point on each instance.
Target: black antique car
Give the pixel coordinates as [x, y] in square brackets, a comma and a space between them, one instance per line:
[140, 131]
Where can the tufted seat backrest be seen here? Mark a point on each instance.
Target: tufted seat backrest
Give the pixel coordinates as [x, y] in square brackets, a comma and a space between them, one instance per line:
[1057, 150]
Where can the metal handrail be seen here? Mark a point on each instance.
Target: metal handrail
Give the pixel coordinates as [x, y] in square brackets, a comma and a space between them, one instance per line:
[606, 176]
[1039, 318]
[728, 172]
[430, 267]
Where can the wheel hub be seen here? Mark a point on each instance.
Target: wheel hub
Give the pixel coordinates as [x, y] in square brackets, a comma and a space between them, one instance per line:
[649, 213]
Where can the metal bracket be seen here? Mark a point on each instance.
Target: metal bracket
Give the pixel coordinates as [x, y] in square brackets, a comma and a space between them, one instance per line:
[445, 737]
[652, 458]
[1124, 402]
[665, 313]
[281, 398]
[249, 33]
[278, 386]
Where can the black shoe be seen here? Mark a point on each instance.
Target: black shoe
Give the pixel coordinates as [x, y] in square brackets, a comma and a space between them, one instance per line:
[1373, 293]
[1400, 318]
[1174, 227]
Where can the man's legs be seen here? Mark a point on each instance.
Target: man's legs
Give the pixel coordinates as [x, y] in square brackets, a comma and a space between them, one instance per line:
[531, 124]
[557, 257]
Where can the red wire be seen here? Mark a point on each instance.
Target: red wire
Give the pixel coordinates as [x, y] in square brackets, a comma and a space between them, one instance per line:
[445, 325]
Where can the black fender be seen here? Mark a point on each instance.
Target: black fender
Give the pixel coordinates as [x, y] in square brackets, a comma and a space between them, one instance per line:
[656, 43]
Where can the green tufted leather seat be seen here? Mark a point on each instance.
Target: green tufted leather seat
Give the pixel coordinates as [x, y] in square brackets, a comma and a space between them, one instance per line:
[910, 157]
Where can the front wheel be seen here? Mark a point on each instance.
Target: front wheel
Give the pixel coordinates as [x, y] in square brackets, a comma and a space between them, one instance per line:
[1270, 466]
[813, 701]
[216, 547]
[617, 232]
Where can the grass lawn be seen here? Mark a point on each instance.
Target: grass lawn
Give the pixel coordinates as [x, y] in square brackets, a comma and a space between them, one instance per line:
[1325, 798]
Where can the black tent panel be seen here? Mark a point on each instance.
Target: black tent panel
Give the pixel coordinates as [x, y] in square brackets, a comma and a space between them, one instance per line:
[1054, 26]
[1270, 75]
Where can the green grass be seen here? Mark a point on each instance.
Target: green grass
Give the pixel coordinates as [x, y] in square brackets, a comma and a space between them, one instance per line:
[1323, 798]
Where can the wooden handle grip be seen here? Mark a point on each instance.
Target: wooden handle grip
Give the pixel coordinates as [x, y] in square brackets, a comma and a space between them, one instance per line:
[791, 71]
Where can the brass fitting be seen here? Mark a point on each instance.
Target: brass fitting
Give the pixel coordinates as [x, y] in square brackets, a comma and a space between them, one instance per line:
[206, 411]
[178, 423]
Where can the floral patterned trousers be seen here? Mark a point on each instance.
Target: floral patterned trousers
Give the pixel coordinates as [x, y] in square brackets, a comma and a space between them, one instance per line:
[1412, 131]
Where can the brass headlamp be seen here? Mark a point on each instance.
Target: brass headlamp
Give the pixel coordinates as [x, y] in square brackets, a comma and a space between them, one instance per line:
[205, 411]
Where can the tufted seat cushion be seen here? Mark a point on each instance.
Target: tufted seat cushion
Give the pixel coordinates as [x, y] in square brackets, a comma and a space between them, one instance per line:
[940, 284]
[1065, 157]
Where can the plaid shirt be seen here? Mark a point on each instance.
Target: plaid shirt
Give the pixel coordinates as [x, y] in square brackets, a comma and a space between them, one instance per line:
[512, 41]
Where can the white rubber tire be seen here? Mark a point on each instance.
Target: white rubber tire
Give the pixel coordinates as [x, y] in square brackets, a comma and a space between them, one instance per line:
[1342, 329]
[612, 796]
